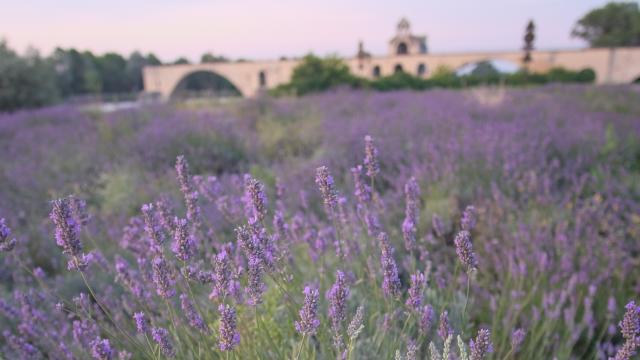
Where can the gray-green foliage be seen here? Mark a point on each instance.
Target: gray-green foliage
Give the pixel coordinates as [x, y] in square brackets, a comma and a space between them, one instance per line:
[25, 81]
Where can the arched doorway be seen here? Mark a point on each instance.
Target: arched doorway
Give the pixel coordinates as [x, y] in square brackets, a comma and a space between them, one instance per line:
[398, 69]
[376, 71]
[422, 69]
[402, 49]
[204, 83]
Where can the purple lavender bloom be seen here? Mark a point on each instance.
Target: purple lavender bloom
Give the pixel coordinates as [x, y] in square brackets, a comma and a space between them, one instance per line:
[126, 277]
[152, 228]
[21, 346]
[192, 315]
[325, 183]
[437, 225]
[161, 337]
[482, 346]
[6, 244]
[426, 319]
[444, 329]
[183, 244]
[391, 281]
[411, 213]
[258, 199]
[371, 157]
[162, 277]
[414, 301]
[229, 337]
[469, 218]
[517, 338]
[309, 322]
[362, 191]
[464, 249]
[101, 349]
[255, 287]
[337, 297]
[67, 234]
[142, 323]
[221, 275]
[630, 329]
[164, 212]
[188, 190]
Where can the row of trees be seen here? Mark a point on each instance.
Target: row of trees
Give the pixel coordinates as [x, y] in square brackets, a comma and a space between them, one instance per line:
[316, 74]
[31, 80]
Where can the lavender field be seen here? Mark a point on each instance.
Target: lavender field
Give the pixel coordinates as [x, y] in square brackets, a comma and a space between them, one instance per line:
[476, 224]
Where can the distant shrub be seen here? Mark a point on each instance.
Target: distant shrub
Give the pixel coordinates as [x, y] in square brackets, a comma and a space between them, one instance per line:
[316, 74]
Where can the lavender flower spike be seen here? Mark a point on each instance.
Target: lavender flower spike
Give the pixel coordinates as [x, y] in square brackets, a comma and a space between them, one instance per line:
[308, 324]
[162, 278]
[337, 296]
[464, 249]
[517, 337]
[6, 244]
[228, 335]
[142, 324]
[370, 157]
[67, 233]
[258, 199]
[630, 329]
[482, 346]
[426, 319]
[411, 213]
[161, 336]
[469, 218]
[183, 246]
[444, 329]
[195, 320]
[101, 349]
[390, 281]
[414, 301]
[221, 275]
[188, 190]
[325, 183]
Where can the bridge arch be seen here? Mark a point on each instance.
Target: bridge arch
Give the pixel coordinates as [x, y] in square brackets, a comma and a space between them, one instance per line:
[199, 80]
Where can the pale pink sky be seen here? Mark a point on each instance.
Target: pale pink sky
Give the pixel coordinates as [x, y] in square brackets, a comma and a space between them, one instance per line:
[268, 29]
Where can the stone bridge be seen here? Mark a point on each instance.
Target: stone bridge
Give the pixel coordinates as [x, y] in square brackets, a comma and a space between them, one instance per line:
[611, 66]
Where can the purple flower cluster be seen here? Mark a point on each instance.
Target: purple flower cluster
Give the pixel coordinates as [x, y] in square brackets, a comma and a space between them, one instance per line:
[482, 346]
[162, 337]
[229, 337]
[411, 213]
[414, 301]
[67, 234]
[630, 329]
[309, 322]
[464, 249]
[183, 243]
[390, 279]
[163, 277]
[192, 315]
[6, 244]
[371, 157]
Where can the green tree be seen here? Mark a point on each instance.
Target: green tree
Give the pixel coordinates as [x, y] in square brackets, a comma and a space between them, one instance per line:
[315, 74]
[27, 81]
[76, 73]
[529, 37]
[113, 73]
[615, 24]
[210, 58]
[181, 61]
